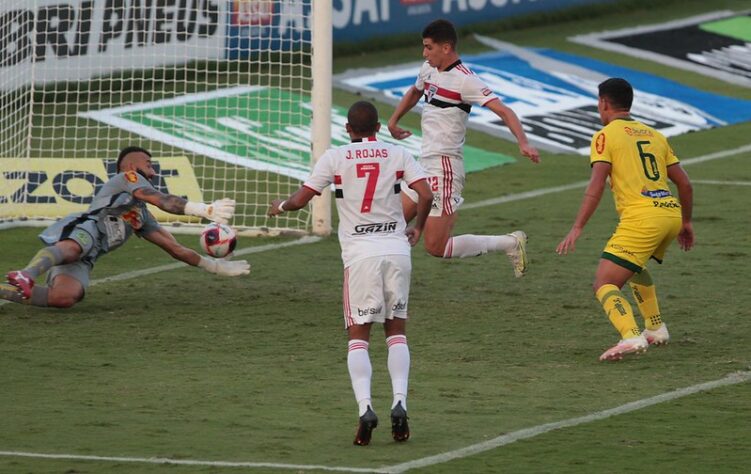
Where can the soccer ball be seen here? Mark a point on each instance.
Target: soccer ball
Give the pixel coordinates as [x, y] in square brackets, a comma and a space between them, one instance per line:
[218, 240]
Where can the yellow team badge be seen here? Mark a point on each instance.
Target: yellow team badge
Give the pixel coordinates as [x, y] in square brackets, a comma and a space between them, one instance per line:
[131, 176]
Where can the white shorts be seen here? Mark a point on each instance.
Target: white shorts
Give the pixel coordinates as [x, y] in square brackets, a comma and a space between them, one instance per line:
[446, 180]
[376, 289]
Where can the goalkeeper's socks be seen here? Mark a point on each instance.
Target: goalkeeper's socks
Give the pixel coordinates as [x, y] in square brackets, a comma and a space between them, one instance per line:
[645, 295]
[38, 295]
[360, 371]
[45, 259]
[398, 363]
[10, 293]
[469, 245]
[618, 310]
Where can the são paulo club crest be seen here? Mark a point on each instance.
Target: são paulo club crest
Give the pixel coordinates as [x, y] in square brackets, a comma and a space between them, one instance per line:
[430, 93]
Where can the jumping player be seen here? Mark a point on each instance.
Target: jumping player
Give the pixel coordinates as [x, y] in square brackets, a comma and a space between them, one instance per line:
[450, 90]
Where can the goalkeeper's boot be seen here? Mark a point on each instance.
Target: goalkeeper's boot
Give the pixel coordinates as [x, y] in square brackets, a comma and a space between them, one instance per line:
[368, 422]
[21, 280]
[399, 425]
[632, 345]
[518, 255]
[657, 336]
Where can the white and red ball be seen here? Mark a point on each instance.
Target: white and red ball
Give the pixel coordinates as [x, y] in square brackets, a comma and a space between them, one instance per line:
[218, 240]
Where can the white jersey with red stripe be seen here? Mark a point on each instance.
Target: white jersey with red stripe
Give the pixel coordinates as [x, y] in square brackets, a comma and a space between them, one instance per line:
[449, 96]
[368, 176]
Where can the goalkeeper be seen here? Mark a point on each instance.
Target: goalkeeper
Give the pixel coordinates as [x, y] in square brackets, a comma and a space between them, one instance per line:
[117, 211]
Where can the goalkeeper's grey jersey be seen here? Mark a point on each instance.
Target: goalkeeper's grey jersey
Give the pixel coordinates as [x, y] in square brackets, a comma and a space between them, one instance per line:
[114, 215]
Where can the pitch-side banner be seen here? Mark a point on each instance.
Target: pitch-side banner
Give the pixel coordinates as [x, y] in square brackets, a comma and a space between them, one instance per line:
[72, 40]
[717, 44]
[555, 95]
[283, 24]
[54, 187]
[242, 126]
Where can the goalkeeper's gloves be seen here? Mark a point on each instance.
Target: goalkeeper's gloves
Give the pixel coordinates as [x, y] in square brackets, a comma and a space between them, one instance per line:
[224, 267]
[220, 211]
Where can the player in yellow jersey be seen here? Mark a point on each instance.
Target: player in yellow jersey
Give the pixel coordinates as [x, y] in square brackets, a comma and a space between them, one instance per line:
[638, 160]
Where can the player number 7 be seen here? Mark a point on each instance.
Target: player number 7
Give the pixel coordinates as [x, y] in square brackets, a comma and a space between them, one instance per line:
[370, 171]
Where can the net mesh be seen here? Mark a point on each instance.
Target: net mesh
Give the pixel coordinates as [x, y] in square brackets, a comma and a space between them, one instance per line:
[209, 80]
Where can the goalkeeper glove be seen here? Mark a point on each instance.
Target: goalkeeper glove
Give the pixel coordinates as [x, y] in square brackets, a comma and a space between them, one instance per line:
[220, 211]
[224, 267]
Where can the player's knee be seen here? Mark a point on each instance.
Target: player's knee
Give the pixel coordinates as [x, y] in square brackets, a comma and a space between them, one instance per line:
[434, 250]
[64, 300]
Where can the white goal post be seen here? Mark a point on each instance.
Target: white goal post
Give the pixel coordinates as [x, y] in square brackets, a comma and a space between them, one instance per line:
[232, 98]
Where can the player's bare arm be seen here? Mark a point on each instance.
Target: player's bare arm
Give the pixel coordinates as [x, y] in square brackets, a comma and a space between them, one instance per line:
[220, 211]
[592, 196]
[166, 202]
[409, 100]
[424, 200]
[167, 242]
[678, 175]
[296, 201]
[511, 120]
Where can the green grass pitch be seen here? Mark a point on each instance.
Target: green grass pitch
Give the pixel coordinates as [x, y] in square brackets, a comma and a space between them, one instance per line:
[184, 365]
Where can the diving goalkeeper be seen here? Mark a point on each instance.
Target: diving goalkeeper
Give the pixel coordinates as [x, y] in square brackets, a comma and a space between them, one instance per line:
[118, 210]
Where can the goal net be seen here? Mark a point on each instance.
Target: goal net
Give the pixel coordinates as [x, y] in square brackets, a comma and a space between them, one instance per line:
[219, 91]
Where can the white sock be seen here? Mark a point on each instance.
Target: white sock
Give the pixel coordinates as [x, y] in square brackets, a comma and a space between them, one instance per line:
[398, 363]
[360, 371]
[469, 245]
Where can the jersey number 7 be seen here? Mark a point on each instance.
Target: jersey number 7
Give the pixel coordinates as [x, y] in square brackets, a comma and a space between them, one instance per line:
[371, 172]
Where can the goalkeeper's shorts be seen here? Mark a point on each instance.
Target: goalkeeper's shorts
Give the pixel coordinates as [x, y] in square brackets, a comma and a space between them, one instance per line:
[376, 289]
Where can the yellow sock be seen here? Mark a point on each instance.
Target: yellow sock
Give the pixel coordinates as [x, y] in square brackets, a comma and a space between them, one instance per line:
[645, 295]
[618, 310]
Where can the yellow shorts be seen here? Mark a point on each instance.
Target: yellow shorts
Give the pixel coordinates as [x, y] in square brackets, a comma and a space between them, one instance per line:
[635, 240]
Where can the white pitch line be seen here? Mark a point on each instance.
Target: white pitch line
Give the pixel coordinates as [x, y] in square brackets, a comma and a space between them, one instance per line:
[732, 379]
[720, 182]
[186, 462]
[581, 184]
[176, 265]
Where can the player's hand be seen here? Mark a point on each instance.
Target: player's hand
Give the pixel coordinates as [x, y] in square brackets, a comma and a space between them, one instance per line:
[413, 235]
[223, 267]
[274, 208]
[221, 211]
[530, 152]
[398, 132]
[686, 237]
[568, 244]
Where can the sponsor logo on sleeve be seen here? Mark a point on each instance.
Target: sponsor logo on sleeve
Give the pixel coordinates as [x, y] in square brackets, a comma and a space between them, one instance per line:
[131, 176]
[600, 143]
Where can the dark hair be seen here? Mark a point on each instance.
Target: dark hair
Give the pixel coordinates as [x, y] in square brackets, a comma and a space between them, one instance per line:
[363, 118]
[441, 31]
[618, 91]
[128, 150]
